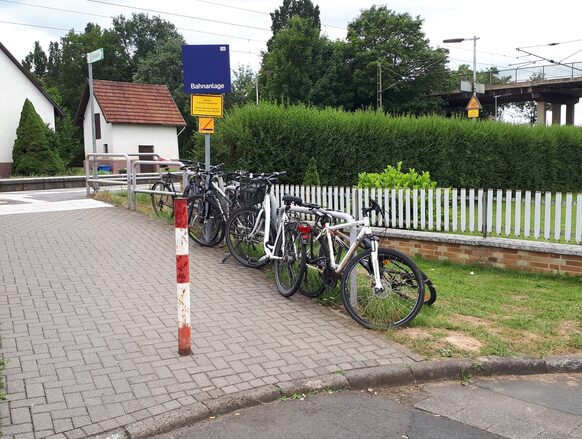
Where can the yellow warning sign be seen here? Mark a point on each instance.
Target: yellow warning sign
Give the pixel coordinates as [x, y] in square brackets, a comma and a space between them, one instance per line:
[473, 113]
[474, 104]
[206, 105]
[206, 125]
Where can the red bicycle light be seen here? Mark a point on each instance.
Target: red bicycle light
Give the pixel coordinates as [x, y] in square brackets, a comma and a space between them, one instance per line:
[304, 229]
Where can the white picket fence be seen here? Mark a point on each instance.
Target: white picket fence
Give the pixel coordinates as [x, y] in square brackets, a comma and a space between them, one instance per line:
[505, 213]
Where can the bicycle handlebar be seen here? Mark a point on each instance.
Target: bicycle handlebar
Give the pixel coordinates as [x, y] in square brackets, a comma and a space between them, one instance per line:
[374, 207]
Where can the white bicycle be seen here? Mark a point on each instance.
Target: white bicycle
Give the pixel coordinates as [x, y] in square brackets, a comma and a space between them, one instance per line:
[380, 287]
[257, 235]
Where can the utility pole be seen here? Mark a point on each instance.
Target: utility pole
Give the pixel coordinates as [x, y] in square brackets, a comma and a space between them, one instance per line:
[379, 105]
[96, 55]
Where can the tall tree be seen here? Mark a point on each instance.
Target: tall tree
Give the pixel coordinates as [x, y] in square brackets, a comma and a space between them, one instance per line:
[333, 84]
[73, 69]
[141, 34]
[243, 87]
[293, 63]
[163, 65]
[36, 61]
[411, 69]
[53, 63]
[293, 8]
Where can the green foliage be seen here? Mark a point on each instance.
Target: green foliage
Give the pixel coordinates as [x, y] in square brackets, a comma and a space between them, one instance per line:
[32, 153]
[163, 65]
[457, 152]
[411, 69]
[293, 8]
[311, 175]
[66, 139]
[294, 62]
[394, 178]
[243, 88]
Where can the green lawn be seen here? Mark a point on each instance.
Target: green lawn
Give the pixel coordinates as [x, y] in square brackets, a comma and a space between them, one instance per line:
[488, 311]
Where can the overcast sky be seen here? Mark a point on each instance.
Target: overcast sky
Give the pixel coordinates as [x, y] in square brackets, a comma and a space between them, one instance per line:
[502, 26]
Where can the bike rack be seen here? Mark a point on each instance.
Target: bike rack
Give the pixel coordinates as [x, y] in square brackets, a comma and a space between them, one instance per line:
[134, 188]
[115, 180]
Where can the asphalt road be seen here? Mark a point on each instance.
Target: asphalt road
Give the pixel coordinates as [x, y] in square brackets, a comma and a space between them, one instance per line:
[548, 406]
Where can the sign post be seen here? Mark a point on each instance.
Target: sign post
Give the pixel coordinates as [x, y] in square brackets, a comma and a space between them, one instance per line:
[92, 57]
[206, 78]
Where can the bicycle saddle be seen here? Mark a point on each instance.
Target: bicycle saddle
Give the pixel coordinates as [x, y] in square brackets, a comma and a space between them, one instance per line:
[289, 199]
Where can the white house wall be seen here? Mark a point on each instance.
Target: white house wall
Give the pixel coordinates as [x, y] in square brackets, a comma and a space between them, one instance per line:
[15, 88]
[127, 138]
[106, 131]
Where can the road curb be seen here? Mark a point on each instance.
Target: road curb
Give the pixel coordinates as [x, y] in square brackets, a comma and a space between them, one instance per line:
[380, 376]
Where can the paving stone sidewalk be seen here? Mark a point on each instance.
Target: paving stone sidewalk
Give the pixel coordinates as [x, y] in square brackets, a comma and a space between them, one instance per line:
[88, 326]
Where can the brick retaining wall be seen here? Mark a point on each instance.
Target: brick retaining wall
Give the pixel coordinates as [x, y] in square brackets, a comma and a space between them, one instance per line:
[498, 252]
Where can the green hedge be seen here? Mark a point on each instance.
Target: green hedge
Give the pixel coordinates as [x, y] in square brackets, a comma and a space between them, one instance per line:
[456, 152]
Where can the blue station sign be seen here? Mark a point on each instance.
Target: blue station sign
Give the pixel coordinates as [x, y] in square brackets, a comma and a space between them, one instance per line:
[206, 69]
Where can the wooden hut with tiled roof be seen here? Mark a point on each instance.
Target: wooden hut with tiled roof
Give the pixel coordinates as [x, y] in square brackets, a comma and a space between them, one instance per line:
[131, 118]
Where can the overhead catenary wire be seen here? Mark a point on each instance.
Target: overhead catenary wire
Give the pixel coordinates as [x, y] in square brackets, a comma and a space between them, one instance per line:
[79, 32]
[110, 18]
[253, 11]
[56, 9]
[449, 46]
[39, 26]
[192, 17]
[521, 49]
[551, 44]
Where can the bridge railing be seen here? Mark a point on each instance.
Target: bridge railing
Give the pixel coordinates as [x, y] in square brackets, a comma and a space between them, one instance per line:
[524, 74]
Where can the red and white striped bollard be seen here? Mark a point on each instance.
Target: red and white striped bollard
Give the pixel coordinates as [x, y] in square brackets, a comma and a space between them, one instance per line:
[182, 275]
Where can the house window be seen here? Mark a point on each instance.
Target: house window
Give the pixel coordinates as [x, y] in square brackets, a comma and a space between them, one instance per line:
[97, 125]
[105, 148]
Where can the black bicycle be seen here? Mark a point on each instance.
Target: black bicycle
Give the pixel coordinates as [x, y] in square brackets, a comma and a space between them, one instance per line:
[210, 202]
[163, 204]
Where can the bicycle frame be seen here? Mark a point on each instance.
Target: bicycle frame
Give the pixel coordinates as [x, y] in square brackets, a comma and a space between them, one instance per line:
[365, 230]
[281, 219]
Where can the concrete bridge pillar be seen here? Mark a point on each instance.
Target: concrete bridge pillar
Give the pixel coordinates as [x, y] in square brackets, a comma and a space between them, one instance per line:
[570, 114]
[556, 114]
[541, 113]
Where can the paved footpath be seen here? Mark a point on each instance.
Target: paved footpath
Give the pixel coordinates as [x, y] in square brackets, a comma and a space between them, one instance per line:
[88, 323]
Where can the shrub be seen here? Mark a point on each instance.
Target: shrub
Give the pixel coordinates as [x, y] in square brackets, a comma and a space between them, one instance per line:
[311, 175]
[32, 154]
[456, 152]
[394, 178]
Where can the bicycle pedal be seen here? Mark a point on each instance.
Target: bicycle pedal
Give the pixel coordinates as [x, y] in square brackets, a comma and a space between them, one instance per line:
[226, 258]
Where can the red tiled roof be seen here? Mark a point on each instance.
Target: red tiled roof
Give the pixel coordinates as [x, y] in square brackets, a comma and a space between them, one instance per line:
[127, 102]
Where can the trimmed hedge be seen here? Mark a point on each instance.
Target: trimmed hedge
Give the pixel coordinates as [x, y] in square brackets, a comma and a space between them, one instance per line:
[456, 152]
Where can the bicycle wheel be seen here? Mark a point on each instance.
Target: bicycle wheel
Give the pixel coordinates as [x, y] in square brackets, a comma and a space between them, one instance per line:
[399, 301]
[247, 247]
[290, 269]
[205, 222]
[313, 284]
[163, 205]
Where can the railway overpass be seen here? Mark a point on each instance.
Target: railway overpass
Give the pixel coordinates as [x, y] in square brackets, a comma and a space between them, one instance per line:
[556, 84]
